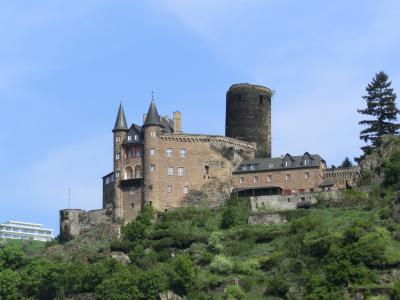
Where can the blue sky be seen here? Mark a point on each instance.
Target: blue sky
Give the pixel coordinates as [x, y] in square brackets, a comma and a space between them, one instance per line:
[66, 65]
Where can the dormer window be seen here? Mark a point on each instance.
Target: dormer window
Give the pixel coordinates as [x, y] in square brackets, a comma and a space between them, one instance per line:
[306, 162]
[129, 138]
[288, 163]
[244, 168]
[136, 137]
[270, 165]
[252, 167]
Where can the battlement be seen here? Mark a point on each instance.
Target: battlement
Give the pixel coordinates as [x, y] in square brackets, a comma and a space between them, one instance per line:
[211, 139]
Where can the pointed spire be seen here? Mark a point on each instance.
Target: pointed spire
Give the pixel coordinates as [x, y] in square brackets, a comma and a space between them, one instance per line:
[152, 117]
[120, 122]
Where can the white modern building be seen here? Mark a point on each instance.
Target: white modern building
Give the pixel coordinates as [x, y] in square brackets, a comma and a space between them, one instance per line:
[25, 231]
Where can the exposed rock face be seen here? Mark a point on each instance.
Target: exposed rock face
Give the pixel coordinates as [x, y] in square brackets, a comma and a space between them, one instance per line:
[168, 295]
[372, 163]
[74, 222]
[121, 257]
[266, 218]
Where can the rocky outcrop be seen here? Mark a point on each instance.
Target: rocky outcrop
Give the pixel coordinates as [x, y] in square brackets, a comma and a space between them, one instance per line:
[266, 218]
[370, 165]
[74, 222]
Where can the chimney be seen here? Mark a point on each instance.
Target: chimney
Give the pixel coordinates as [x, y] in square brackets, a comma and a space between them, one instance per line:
[177, 122]
[144, 118]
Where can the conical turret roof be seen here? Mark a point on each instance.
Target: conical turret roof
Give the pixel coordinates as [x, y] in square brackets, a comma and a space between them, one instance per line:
[152, 117]
[120, 122]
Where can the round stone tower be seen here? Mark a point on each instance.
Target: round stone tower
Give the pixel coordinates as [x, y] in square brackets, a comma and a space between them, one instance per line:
[248, 116]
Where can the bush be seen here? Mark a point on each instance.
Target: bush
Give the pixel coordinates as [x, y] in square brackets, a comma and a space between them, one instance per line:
[391, 169]
[152, 283]
[234, 292]
[221, 264]
[396, 290]
[277, 285]
[183, 275]
[248, 266]
[121, 286]
[215, 242]
[9, 283]
[11, 257]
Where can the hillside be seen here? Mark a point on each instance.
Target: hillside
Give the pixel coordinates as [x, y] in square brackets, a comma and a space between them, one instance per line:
[335, 250]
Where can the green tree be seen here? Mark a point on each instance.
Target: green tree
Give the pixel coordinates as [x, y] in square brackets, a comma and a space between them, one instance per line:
[382, 110]
[183, 275]
[152, 283]
[234, 292]
[9, 283]
[346, 163]
[229, 217]
[138, 228]
[11, 257]
[121, 286]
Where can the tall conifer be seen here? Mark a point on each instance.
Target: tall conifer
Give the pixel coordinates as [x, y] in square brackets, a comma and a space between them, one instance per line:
[381, 107]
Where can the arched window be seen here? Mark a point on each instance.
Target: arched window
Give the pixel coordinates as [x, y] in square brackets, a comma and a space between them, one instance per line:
[138, 171]
[128, 173]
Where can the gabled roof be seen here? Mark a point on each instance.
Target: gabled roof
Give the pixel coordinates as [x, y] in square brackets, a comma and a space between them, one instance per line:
[120, 122]
[277, 163]
[152, 117]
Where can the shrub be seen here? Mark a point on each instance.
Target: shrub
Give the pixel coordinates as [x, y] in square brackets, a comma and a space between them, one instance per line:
[183, 275]
[121, 286]
[233, 292]
[247, 267]
[9, 283]
[152, 283]
[391, 169]
[11, 257]
[221, 264]
[215, 242]
[396, 290]
[277, 285]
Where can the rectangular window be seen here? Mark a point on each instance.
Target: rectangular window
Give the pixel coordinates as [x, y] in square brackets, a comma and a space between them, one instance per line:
[136, 137]
[153, 134]
[287, 163]
[287, 177]
[117, 156]
[306, 175]
[311, 190]
[252, 167]
[152, 151]
[168, 152]
[186, 189]
[152, 168]
[182, 153]
[181, 171]
[170, 171]
[269, 178]
[138, 153]
[256, 179]
[117, 174]
[129, 138]
[169, 189]
[118, 139]
[244, 168]
[241, 179]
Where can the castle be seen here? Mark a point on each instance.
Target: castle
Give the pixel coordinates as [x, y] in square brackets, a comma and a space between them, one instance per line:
[158, 164]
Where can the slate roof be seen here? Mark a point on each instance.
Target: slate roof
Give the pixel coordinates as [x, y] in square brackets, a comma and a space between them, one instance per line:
[279, 163]
[167, 124]
[152, 117]
[134, 130]
[120, 122]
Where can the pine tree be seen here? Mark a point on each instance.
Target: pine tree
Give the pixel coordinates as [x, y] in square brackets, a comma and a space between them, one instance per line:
[346, 163]
[381, 107]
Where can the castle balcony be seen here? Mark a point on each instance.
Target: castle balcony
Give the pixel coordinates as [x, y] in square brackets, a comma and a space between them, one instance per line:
[132, 182]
